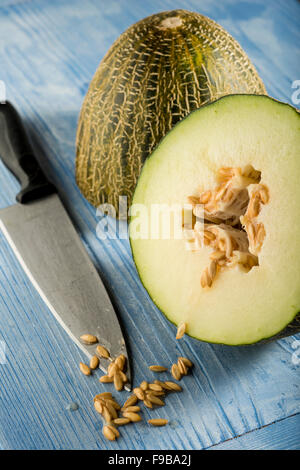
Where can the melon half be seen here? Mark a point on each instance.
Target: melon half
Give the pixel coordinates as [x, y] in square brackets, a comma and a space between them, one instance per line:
[215, 221]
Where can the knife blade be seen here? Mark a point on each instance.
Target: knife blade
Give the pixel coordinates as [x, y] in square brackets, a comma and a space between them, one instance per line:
[50, 251]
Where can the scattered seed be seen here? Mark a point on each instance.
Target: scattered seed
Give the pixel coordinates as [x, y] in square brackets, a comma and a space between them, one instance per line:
[148, 403]
[118, 382]
[98, 406]
[94, 362]
[134, 417]
[113, 403]
[132, 400]
[123, 376]
[85, 369]
[106, 379]
[162, 384]
[175, 372]
[112, 369]
[134, 409]
[144, 385]
[103, 395]
[102, 351]
[186, 361]
[111, 409]
[106, 414]
[114, 430]
[173, 386]
[155, 400]
[158, 368]
[89, 339]
[121, 421]
[108, 433]
[159, 382]
[156, 387]
[158, 422]
[182, 367]
[181, 330]
[157, 393]
[139, 393]
[120, 361]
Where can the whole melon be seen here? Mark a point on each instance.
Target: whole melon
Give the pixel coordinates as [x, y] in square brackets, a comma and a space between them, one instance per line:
[158, 71]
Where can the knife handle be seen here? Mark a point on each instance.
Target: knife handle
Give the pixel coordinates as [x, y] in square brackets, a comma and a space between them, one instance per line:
[18, 156]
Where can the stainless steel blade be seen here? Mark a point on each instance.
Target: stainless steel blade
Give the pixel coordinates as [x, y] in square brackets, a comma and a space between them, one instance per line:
[53, 257]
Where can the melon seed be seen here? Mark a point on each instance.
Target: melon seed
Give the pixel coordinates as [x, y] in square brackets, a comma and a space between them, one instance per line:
[182, 367]
[113, 403]
[110, 432]
[134, 417]
[106, 414]
[120, 361]
[106, 379]
[121, 421]
[132, 400]
[102, 351]
[175, 372]
[103, 395]
[139, 393]
[155, 400]
[181, 330]
[148, 403]
[134, 409]
[158, 422]
[186, 361]
[85, 369]
[94, 362]
[173, 386]
[156, 387]
[111, 409]
[118, 382]
[144, 385]
[89, 339]
[98, 406]
[158, 368]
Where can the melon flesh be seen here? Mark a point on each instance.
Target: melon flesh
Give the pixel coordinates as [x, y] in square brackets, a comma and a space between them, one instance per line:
[240, 307]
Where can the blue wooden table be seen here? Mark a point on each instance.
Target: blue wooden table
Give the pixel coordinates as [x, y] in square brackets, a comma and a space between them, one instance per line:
[243, 397]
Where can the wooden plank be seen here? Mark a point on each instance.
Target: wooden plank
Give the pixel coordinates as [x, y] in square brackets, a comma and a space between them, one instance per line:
[283, 435]
[48, 54]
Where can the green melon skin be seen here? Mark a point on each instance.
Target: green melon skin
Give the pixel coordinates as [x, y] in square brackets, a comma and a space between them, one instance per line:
[240, 308]
[159, 70]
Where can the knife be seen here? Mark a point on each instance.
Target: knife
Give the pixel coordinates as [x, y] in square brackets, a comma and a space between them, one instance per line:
[48, 248]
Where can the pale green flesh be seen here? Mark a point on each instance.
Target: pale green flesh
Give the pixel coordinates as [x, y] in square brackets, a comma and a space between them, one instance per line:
[240, 308]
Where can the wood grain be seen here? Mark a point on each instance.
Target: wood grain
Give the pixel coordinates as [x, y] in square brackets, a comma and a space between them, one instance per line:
[282, 435]
[48, 54]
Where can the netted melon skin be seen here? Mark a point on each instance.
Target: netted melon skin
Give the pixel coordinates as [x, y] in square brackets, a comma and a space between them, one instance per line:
[158, 71]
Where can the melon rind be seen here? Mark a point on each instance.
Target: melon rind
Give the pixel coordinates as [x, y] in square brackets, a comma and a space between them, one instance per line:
[158, 71]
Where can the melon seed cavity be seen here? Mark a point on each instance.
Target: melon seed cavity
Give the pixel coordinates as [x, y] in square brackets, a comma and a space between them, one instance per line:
[231, 228]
